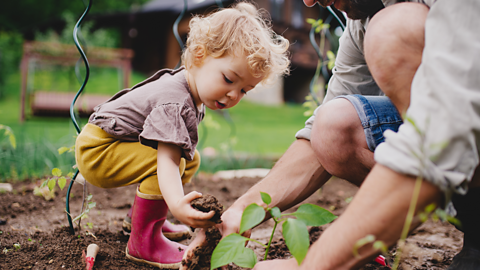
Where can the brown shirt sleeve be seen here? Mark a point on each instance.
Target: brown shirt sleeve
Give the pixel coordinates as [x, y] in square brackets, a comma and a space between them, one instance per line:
[171, 123]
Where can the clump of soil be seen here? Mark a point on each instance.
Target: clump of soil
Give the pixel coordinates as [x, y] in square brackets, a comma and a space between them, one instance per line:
[201, 258]
[202, 255]
[207, 203]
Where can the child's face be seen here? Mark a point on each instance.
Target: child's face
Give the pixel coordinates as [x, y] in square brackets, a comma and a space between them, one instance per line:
[220, 83]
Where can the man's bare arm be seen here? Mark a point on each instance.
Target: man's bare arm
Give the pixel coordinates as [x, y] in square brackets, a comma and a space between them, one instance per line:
[293, 178]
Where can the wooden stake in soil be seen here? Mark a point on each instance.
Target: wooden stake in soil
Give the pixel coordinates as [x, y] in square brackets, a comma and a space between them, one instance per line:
[92, 251]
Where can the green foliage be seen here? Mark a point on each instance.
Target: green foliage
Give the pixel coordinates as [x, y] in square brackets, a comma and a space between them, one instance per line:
[98, 37]
[252, 216]
[57, 178]
[10, 55]
[10, 135]
[27, 14]
[232, 248]
[312, 101]
[369, 239]
[88, 206]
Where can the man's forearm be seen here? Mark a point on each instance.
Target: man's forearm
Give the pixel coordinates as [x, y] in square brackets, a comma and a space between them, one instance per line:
[379, 208]
[293, 178]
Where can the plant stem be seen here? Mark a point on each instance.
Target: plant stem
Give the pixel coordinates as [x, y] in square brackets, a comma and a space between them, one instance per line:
[271, 238]
[408, 221]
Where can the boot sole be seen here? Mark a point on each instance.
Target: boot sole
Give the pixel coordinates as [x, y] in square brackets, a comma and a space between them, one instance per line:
[159, 265]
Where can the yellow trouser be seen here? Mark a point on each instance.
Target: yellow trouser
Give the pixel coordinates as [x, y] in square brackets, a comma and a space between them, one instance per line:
[107, 162]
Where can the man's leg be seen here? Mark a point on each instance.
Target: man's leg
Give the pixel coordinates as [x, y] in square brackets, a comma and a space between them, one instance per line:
[393, 51]
[393, 44]
[338, 140]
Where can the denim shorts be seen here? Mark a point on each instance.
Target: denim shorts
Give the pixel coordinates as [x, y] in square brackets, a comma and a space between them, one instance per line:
[377, 114]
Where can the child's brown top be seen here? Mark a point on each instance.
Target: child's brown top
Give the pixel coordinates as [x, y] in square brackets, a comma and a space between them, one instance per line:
[160, 108]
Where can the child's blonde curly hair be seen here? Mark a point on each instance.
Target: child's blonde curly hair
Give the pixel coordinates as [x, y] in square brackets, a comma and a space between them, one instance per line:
[241, 30]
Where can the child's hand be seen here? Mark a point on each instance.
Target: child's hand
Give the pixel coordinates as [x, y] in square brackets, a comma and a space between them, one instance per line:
[184, 212]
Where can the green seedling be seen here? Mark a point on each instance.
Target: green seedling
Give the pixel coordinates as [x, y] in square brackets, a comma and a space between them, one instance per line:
[56, 178]
[295, 232]
[17, 246]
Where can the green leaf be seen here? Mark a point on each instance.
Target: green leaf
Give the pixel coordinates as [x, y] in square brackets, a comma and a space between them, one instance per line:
[362, 242]
[275, 212]
[245, 259]
[330, 55]
[13, 142]
[63, 149]
[44, 183]
[311, 21]
[296, 238]
[266, 198]
[62, 181]
[56, 172]
[412, 122]
[227, 250]
[313, 215]
[51, 184]
[251, 217]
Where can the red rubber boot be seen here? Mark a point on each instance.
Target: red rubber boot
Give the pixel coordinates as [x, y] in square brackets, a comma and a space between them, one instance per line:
[147, 244]
[174, 232]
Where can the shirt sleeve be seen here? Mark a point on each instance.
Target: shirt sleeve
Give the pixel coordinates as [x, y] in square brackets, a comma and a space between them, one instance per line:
[174, 124]
[350, 74]
[439, 140]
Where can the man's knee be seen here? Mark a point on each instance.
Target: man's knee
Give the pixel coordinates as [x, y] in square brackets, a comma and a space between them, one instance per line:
[394, 40]
[335, 133]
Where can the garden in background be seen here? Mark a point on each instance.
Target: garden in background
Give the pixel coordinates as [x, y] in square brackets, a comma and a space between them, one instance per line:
[34, 230]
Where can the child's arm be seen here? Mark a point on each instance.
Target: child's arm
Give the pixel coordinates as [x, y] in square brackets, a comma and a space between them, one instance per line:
[170, 183]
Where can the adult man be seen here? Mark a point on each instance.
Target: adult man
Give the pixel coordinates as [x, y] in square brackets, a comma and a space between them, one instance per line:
[402, 43]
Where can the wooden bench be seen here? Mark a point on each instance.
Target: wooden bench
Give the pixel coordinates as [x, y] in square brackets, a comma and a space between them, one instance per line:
[47, 103]
[54, 103]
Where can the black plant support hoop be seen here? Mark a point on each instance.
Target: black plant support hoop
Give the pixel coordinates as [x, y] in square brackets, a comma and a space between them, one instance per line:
[72, 114]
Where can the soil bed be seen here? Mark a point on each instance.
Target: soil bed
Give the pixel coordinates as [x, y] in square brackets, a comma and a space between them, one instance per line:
[35, 234]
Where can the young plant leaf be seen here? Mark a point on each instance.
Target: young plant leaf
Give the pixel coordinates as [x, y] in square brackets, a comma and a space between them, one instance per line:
[251, 217]
[275, 212]
[227, 250]
[266, 198]
[296, 237]
[62, 150]
[246, 259]
[56, 172]
[313, 215]
[62, 181]
[51, 184]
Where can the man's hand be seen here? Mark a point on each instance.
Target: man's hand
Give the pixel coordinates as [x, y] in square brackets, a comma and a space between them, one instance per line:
[231, 219]
[184, 212]
[290, 264]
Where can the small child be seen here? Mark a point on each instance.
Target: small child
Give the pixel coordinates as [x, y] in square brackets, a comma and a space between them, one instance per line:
[148, 134]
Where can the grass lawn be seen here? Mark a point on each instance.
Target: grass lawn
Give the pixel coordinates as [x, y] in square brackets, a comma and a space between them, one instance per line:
[247, 129]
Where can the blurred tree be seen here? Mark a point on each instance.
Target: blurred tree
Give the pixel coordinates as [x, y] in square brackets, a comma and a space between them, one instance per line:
[25, 15]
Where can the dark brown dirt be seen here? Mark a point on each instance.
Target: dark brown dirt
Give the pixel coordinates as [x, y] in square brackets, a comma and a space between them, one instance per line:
[35, 233]
[201, 257]
[208, 203]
